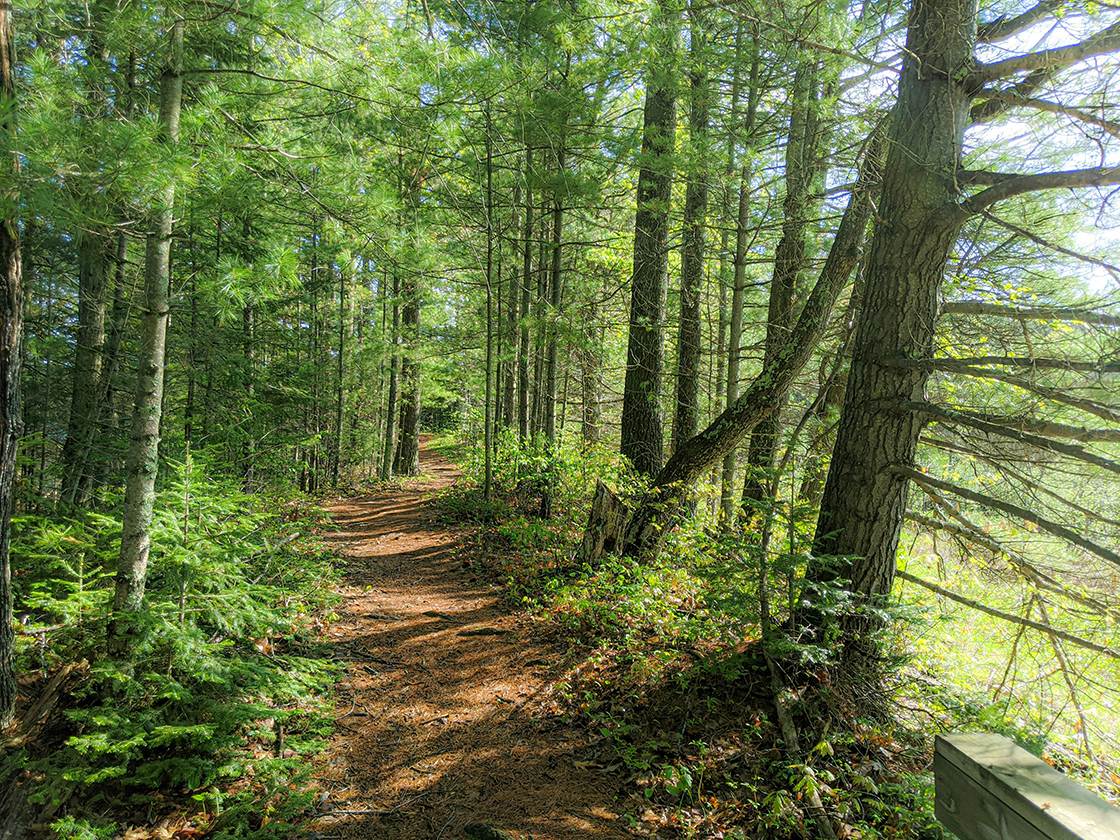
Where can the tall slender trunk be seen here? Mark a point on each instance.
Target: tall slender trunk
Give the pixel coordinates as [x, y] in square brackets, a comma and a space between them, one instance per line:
[789, 262]
[735, 335]
[340, 382]
[11, 322]
[555, 292]
[536, 421]
[394, 385]
[509, 383]
[591, 374]
[407, 459]
[95, 254]
[685, 419]
[641, 401]
[143, 454]
[248, 454]
[488, 421]
[744, 133]
[526, 280]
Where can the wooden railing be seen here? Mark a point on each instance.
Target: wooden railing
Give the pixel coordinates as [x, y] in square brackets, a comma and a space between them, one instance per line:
[990, 789]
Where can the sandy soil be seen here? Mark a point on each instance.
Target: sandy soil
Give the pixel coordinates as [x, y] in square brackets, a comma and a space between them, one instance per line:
[440, 719]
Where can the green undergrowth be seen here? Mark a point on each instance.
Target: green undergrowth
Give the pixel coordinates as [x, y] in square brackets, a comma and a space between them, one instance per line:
[213, 716]
[665, 673]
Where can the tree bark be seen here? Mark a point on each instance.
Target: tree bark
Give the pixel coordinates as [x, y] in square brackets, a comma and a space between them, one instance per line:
[657, 512]
[591, 364]
[407, 459]
[95, 254]
[390, 441]
[555, 294]
[143, 454]
[685, 420]
[340, 383]
[11, 322]
[641, 400]
[865, 497]
[735, 338]
[789, 262]
[523, 338]
[509, 383]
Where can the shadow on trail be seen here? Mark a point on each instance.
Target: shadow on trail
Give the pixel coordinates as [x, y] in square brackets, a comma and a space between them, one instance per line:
[439, 714]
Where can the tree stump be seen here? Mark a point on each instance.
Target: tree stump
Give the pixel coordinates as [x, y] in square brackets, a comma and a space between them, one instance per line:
[606, 525]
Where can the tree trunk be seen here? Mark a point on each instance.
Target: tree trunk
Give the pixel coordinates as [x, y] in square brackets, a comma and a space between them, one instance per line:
[641, 399]
[657, 511]
[692, 250]
[488, 420]
[864, 500]
[95, 255]
[407, 460]
[591, 363]
[555, 293]
[735, 337]
[739, 260]
[340, 383]
[248, 452]
[143, 454]
[394, 386]
[11, 321]
[526, 291]
[789, 262]
[509, 382]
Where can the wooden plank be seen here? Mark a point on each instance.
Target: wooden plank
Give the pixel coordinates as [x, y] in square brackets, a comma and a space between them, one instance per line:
[990, 789]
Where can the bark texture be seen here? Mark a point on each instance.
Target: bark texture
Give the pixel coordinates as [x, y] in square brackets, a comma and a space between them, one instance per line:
[685, 420]
[11, 319]
[642, 440]
[865, 498]
[143, 453]
[95, 255]
[789, 262]
[658, 510]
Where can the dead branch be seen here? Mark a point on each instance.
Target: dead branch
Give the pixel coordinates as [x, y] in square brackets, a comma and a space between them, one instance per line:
[1070, 450]
[1014, 510]
[1099, 43]
[1047, 313]
[1076, 641]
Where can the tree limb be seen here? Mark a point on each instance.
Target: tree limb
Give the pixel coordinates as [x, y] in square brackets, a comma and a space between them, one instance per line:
[966, 364]
[1004, 27]
[1100, 43]
[1014, 510]
[1042, 427]
[944, 414]
[969, 532]
[994, 103]
[1008, 472]
[1015, 96]
[1009, 187]
[1045, 243]
[1013, 619]
[1105, 412]
[1048, 313]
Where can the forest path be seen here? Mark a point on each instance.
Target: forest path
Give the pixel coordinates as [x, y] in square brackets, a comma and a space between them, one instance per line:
[435, 714]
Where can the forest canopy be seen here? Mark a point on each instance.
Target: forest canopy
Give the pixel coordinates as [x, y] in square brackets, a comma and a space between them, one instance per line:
[825, 295]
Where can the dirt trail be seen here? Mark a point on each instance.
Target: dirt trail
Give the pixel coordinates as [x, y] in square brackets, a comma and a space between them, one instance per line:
[436, 725]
